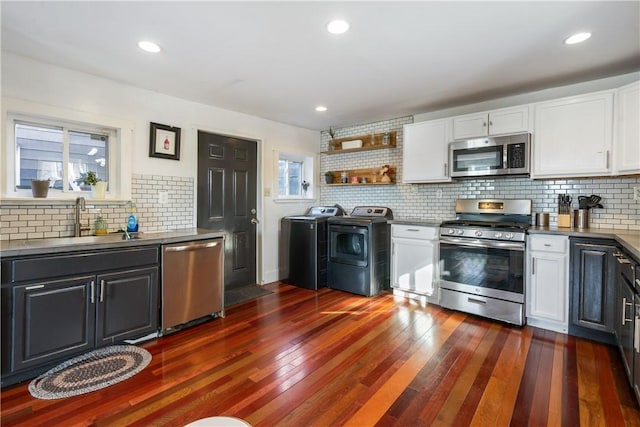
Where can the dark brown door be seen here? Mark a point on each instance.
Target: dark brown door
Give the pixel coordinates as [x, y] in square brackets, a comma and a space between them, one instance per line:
[227, 181]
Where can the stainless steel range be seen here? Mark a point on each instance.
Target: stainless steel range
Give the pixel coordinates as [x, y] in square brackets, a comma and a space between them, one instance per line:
[482, 258]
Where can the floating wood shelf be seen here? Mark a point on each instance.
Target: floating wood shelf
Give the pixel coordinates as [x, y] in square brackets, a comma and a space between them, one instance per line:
[371, 174]
[376, 141]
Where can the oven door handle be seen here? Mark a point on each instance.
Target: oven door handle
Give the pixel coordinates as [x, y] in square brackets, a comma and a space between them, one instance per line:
[477, 243]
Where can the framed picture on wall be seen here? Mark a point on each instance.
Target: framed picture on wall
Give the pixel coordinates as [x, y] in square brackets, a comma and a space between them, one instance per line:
[164, 142]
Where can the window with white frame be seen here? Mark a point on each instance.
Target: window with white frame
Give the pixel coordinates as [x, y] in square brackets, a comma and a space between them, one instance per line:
[60, 154]
[295, 176]
[58, 151]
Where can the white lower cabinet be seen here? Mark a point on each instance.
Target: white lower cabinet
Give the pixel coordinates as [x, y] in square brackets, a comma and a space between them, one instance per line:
[548, 282]
[414, 261]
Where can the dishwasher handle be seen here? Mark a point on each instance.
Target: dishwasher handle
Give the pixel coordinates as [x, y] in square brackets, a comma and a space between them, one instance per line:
[193, 247]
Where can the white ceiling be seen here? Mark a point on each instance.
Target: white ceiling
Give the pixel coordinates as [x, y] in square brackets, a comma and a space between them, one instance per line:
[275, 59]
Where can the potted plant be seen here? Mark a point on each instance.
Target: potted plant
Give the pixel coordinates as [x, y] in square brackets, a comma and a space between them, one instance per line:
[328, 177]
[305, 186]
[98, 186]
[332, 134]
[40, 187]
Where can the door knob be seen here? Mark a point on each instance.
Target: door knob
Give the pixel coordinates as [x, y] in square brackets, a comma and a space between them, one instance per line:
[254, 221]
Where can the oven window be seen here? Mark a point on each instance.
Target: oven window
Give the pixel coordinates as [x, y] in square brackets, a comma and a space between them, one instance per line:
[500, 269]
[477, 159]
[348, 245]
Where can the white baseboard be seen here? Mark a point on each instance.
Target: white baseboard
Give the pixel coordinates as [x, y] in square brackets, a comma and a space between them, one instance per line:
[549, 325]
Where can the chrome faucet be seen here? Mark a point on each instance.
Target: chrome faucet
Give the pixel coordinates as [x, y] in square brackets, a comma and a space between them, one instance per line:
[77, 227]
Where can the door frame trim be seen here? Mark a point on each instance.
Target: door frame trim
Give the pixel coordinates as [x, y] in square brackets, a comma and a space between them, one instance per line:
[259, 186]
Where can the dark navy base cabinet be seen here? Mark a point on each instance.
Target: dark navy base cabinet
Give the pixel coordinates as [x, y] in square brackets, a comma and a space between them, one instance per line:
[56, 307]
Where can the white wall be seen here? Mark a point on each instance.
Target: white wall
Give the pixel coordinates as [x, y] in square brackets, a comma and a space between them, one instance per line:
[23, 78]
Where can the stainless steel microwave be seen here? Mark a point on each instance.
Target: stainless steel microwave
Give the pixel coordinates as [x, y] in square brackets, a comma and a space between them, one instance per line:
[499, 155]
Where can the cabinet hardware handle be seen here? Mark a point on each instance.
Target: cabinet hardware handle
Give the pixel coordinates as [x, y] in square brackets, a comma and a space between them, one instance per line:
[533, 266]
[93, 292]
[636, 336]
[607, 157]
[101, 290]
[484, 124]
[624, 311]
[412, 229]
[477, 301]
[446, 170]
[490, 122]
[190, 247]
[28, 288]
[623, 261]
[547, 245]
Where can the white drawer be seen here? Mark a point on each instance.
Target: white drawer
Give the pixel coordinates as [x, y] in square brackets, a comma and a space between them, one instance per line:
[548, 243]
[414, 232]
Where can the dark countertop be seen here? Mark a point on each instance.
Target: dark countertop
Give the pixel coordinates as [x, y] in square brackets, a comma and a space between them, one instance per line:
[72, 244]
[416, 221]
[629, 239]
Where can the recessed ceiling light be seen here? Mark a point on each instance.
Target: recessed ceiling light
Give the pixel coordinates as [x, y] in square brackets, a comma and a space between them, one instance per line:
[148, 46]
[577, 38]
[321, 108]
[338, 26]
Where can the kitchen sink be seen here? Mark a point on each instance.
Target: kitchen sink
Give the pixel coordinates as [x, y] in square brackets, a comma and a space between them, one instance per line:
[110, 237]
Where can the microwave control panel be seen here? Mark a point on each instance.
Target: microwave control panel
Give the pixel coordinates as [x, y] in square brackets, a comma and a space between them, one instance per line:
[516, 156]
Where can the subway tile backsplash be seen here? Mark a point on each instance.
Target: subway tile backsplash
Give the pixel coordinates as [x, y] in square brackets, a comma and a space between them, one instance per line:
[427, 201]
[46, 220]
[437, 201]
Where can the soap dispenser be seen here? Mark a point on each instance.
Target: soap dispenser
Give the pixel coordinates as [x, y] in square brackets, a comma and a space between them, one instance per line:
[132, 222]
[100, 224]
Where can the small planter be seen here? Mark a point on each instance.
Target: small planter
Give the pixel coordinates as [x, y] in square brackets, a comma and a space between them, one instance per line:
[99, 190]
[40, 188]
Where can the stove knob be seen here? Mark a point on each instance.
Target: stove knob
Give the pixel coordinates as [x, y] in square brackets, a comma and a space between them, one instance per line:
[478, 233]
[460, 232]
[508, 235]
[450, 231]
[498, 235]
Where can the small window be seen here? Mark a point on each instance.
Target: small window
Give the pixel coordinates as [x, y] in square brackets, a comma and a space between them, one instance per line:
[289, 178]
[62, 154]
[295, 176]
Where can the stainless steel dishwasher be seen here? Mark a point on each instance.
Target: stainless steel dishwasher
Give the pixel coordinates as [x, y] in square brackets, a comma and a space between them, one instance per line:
[192, 282]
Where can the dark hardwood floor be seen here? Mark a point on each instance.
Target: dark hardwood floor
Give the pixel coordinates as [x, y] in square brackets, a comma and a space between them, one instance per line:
[301, 358]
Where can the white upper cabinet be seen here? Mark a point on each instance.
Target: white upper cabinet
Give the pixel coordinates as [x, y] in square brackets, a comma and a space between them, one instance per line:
[627, 142]
[573, 136]
[498, 122]
[425, 152]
